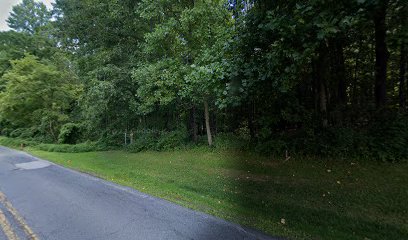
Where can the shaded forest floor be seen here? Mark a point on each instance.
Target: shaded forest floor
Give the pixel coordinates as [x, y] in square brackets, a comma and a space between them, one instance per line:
[297, 199]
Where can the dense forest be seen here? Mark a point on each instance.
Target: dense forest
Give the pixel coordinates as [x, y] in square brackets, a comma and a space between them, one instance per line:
[316, 77]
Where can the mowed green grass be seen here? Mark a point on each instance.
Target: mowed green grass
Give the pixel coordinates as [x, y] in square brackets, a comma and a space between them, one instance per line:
[336, 199]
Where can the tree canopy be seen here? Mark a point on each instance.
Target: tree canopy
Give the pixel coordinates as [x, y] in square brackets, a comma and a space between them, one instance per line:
[29, 17]
[310, 77]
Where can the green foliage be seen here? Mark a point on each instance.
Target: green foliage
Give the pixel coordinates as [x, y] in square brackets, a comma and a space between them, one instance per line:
[24, 133]
[17, 142]
[72, 148]
[104, 36]
[172, 140]
[389, 138]
[383, 140]
[143, 141]
[275, 147]
[159, 83]
[29, 17]
[70, 133]
[231, 141]
[6, 132]
[36, 95]
[277, 76]
[158, 140]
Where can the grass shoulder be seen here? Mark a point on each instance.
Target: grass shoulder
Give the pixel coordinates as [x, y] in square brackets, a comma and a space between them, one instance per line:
[303, 198]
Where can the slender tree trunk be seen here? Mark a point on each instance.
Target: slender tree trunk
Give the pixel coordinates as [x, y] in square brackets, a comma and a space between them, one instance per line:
[193, 124]
[251, 120]
[341, 73]
[354, 100]
[381, 54]
[207, 122]
[323, 103]
[338, 77]
[322, 73]
[402, 72]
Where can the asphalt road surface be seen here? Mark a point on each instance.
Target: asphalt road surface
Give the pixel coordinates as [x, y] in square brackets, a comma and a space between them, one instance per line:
[40, 200]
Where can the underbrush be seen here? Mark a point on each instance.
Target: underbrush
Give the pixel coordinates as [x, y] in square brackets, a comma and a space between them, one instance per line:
[74, 148]
[17, 142]
[384, 139]
[158, 140]
[67, 148]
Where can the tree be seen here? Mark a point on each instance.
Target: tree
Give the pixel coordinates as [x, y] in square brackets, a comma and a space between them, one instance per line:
[104, 36]
[37, 95]
[381, 52]
[189, 38]
[29, 17]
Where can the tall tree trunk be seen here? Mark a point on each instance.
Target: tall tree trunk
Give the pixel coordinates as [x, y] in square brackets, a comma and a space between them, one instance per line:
[207, 122]
[341, 73]
[402, 72]
[323, 103]
[381, 53]
[251, 120]
[193, 124]
[322, 73]
[338, 77]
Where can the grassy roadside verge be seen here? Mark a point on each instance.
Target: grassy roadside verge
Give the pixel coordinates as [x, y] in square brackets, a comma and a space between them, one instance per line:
[317, 199]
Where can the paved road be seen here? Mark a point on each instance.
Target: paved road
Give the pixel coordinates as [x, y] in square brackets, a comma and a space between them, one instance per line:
[40, 200]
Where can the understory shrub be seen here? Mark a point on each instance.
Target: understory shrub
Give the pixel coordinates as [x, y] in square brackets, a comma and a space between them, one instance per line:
[70, 133]
[158, 140]
[17, 142]
[271, 147]
[172, 140]
[72, 148]
[224, 141]
[6, 132]
[385, 139]
[389, 138]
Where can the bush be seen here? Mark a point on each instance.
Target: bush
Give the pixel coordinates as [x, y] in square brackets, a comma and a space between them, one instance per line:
[112, 138]
[389, 138]
[70, 133]
[332, 141]
[6, 132]
[69, 148]
[172, 140]
[16, 142]
[23, 133]
[158, 140]
[225, 141]
[143, 140]
[272, 147]
[16, 133]
[385, 139]
[28, 133]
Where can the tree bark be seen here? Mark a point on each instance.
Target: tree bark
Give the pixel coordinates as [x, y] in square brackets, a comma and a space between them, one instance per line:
[341, 73]
[193, 124]
[323, 103]
[402, 72]
[322, 73]
[207, 122]
[251, 120]
[381, 53]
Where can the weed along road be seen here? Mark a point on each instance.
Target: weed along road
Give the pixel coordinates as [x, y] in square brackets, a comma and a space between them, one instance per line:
[40, 200]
